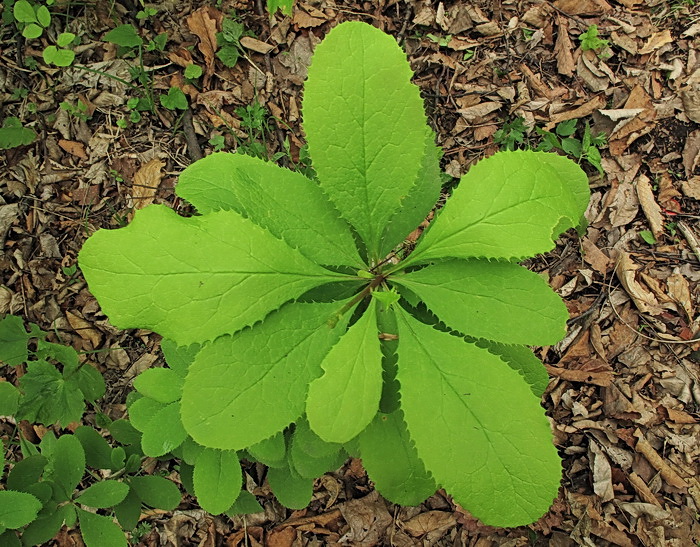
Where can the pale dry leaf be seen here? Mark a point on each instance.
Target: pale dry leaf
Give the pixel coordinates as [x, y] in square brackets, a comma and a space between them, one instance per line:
[425, 16]
[691, 187]
[624, 205]
[621, 113]
[472, 113]
[626, 271]
[651, 209]
[679, 291]
[602, 473]
[74, 148]
[690, 98]
[430, 521]
[563, 49]
[204, 24]
[582, 111]
[691, 152]
[308, 16]
[594, 79]
[657, 462]
[84, 329]
[594, 256]
[256, 45]
[146, 182]
[583, 7]
[655, 41]
[624, 41]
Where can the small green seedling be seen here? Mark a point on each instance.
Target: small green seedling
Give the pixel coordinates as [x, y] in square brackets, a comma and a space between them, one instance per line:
[511, 134]
[14, 134]
[590, 41]
[441, 41]
[301, 329]
[175, 99]
[229, 41]
[285, 6]
[32, 19]
[59, 54]
[193, 72]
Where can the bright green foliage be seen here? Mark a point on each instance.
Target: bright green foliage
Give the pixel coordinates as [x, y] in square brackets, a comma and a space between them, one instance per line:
[175, 99]
[17, 509]
[591, 41]
[217, 479]
[33, 19]
[321, 334]
[14, 134]
[285, 6]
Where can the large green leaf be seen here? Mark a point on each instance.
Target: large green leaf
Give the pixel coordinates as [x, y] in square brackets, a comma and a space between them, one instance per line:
[345, 399]
[487, 440]
[499, 301]
[365, 126]
[103, 494]
[392, 462]
[244, 388]
[66, 466]
[156, 491]
[13, 340]
[288, 204]
[217, 479]
[160, 384]
[508, 206]
[289, 488]
[48, 396]
[521, 359]
[17, 509]
[420, 200]
[193, 279]
[164, 432]
[100, 531]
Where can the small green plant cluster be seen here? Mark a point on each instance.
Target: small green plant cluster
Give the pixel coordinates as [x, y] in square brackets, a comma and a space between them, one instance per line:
[32, 19]
[303, 328]
[65, 478]
[514, 135]
[591, 41]
[14, 134]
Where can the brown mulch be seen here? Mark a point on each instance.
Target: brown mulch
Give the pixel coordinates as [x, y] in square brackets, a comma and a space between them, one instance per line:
[624, 398]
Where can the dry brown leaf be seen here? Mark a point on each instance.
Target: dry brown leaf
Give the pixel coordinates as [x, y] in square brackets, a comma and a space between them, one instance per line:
[655, 41]
[74, 148]
[626, 271]
[679, 291]
[256, 45]
[691, 187]
[367, 518]
[595, 257]
[472, 113]
[281, 537]
[308, 17]
[588, 71]
[651, 209]
[691, 152]
[657, 462]
[690, 97]
[563, 49]
[146, 182]
[204, 24]
[602, 473]
[84, 329]
[583, 7]
[642, 489]
[582, 111]
[429, 521]
[181, 57]
[595, 372]
[640, 125]
[624, 205]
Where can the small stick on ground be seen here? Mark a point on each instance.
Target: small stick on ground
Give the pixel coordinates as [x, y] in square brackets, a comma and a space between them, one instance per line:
[193, 149]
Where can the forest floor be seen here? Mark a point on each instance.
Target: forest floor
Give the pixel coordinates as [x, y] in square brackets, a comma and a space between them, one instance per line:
[624, 395]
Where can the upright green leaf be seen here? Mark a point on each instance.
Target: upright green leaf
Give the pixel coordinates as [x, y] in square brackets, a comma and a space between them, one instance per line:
[179, 358]
[26, 472]
[345, 399]
[160, 384]
[236, 380]
[392, 462]
[47, 524]
[48, 397]
[494, 456]
[66, 465]
[9, 399]
[97, 449]
[17, 509]
[521, 359]
[289, 488]
[156, 491]
[365, 126]
[100, 531]
[420, 200]
[498, 301]
[271, 451]
[508, 206]
[217, 479]
[310, 456]
[164, 432]
[13, 340]
[211, 275]
[245, 504]
[262, 191]
[103, 494]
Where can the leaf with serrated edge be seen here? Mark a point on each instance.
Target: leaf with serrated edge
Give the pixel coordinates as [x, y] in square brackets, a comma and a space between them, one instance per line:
[288, 204]
[160, 384]
[164, 432]
[235, 380]
[365, 126]
[507, 206]
[211, 275]
[494, 456]
[521, 359]
[217, 479]
[392, 462]
[498, 301]
[98, 530]
[345, 399]
[420, 200]
[289, 488]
